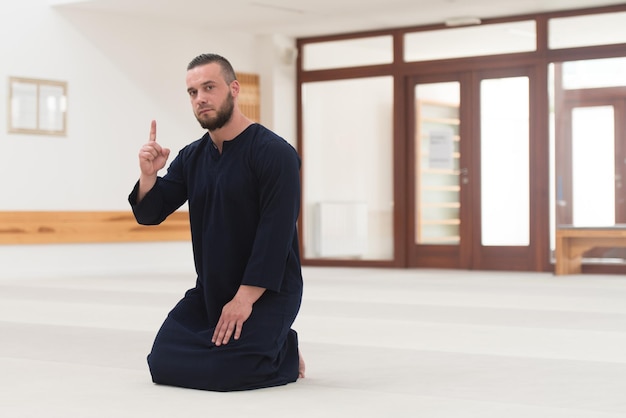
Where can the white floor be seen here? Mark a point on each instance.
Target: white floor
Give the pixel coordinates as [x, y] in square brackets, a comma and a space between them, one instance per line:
[378, 343]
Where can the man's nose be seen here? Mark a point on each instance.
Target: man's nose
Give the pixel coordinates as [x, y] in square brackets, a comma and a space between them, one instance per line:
[201, 98]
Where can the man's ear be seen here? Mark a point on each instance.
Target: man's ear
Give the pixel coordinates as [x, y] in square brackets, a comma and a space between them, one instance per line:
[235, 88]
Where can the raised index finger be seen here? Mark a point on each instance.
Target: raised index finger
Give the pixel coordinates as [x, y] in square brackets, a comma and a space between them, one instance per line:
[153, 131]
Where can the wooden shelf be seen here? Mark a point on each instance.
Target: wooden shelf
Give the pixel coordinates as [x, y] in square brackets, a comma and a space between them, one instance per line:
[437, 219]
[440, 205]
[441, 188]
[455, 138]
[443, 240]
[441, 171]
[441, 222]
[456, 155]
[441, 121]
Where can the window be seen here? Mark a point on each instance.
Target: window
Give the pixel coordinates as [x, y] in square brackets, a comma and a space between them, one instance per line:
[37, 106]
[588, 30]
[500, 38]
[348, 175]
[348, 53]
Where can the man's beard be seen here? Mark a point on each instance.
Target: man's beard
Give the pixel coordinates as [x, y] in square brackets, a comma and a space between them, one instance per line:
[224, 114]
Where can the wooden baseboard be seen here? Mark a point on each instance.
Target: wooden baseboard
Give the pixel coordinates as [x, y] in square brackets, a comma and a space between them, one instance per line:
[42, 227]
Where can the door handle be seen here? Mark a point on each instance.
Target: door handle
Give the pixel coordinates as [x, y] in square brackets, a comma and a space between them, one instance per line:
[464, 172]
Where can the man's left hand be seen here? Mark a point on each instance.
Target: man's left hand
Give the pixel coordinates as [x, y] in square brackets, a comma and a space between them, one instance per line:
[235, 313]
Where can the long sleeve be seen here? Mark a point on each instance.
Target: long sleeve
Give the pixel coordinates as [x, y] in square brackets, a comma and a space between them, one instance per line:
[167, 195]
[277, 167]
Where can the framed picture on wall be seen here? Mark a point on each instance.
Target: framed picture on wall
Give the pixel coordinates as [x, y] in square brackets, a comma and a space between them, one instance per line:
[37, 106]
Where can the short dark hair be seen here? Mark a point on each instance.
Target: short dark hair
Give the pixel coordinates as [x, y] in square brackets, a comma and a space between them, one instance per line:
[203, 59]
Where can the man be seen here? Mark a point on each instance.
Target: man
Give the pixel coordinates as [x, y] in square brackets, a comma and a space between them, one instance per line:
[232, 331]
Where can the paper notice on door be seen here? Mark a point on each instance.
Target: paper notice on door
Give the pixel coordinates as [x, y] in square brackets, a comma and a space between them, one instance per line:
[441, 150]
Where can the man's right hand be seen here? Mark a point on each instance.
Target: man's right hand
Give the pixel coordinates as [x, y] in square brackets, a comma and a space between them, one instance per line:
[152, 158]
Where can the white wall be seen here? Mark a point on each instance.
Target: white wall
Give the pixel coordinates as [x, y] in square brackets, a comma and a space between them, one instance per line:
[90, 260]
[122, 72]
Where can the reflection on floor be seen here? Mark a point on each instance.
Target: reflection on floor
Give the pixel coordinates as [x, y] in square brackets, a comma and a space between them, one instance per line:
[378, 343]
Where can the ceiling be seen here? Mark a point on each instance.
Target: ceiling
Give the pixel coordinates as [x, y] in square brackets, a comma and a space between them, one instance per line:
[305, 18]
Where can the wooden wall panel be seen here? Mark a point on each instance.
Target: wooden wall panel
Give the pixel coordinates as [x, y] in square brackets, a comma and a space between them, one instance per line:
[39, 227]
[250, 96]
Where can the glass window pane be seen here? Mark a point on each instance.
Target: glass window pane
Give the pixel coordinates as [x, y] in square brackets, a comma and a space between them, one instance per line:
[470, 41]
[593, 166]
[504, 125]
[24, 105]
[348, 53]
[51, 108]
[348, 175]
[608, 72]
[588, 30]
[437, 148]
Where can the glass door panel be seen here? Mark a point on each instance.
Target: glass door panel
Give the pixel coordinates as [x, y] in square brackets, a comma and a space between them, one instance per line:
[593, 166]
[505, 164]
[437, 168]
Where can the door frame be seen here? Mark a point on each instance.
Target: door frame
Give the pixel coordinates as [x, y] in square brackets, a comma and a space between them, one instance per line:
[566, 101]
[434, 256]
[470, 253]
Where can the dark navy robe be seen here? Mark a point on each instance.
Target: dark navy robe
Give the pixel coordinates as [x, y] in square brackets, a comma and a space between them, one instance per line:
[243, 208]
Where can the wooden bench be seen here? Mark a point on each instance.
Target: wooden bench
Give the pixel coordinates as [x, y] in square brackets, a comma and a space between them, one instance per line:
[572, 242]
[43, 227]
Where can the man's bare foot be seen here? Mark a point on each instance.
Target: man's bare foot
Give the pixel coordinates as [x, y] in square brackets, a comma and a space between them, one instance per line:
[301, 366]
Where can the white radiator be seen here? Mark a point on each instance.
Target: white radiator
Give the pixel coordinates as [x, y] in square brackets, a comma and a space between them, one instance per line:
[341, 229]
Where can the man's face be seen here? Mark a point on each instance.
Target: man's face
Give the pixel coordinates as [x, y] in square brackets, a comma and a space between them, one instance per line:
[211, 97]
